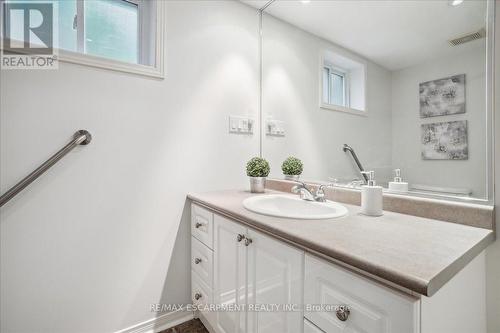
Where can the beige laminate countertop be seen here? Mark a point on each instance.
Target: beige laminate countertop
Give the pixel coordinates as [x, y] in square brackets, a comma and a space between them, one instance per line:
[411, 252]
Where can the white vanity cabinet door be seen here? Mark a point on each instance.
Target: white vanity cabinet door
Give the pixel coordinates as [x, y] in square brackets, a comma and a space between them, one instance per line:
[229, 274]
[373, 308]
[275, 276]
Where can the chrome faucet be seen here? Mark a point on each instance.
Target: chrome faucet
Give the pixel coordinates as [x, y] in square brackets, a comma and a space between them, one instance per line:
[306, 194]
[347, 148]
[320, 193]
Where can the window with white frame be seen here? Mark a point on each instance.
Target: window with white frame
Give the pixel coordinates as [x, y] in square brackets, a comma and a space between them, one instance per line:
[114, 29]
[343, 82]
[336, 86]
[123, 31]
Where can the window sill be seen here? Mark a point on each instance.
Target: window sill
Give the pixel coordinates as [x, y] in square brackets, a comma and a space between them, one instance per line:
[332, 107]
[109, 64]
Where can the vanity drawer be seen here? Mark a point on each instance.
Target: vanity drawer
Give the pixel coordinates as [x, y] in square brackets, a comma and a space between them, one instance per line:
[205, 298]
[202, 259]
[202, 221]
[373, 307]
[201, 294]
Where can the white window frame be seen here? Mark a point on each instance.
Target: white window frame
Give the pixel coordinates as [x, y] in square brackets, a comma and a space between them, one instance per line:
[80, 27]
[157, 70]
[346, 83]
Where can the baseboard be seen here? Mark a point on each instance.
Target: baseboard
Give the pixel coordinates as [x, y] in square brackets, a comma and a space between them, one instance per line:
[160, 323]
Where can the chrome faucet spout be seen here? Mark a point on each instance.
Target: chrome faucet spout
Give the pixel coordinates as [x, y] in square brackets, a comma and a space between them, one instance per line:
[347, 148]
[306, 194]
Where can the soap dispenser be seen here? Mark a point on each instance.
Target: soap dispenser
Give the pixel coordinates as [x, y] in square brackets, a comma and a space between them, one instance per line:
[371, 196]
[398, 185]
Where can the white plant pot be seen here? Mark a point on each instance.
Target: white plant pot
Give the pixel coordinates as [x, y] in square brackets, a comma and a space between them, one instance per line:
[292, 177]
[257, 184]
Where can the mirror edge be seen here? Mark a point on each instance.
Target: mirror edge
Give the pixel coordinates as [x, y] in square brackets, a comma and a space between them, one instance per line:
[490, 136]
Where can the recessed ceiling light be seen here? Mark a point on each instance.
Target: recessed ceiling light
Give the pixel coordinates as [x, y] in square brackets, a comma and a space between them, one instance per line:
[307, 1]
[456, 2]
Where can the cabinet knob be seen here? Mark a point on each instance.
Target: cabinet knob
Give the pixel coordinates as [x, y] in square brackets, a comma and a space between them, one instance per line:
[197, 260]
[343, 312]
[198, 224]
[197, 296]
[248, 241]
[240, 237]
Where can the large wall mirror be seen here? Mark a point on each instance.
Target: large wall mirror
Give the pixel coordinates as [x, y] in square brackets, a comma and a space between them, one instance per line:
[398, 87]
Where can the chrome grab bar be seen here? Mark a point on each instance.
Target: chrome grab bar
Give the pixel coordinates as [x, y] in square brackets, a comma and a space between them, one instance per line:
[345, 148]
[81, 137]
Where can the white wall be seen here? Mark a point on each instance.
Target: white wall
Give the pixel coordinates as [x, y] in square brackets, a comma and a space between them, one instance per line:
[104, 233]
[406, 122]
[87, 247]
[493, 251]
[291, 63]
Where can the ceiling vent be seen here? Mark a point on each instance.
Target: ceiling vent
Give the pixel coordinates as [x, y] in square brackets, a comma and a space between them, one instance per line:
[481, 33]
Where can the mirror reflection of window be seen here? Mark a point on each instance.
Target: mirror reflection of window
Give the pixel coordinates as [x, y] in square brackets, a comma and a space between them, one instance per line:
[334, 83]
[343, 83]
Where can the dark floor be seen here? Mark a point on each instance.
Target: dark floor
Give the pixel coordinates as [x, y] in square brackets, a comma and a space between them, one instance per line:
[192, 326]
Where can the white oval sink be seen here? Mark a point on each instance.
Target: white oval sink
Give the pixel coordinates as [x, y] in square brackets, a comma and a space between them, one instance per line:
[294, 208]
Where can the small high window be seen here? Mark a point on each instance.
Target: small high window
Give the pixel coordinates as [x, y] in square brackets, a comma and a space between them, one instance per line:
[343, 83]
[113, 29]
[335, 83]
[121, 21]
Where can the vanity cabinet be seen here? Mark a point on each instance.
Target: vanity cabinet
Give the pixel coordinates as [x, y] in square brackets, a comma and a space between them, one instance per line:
[246, 271]
[230, 287]
[251, 268]
[274, 276]
[369, 309]
[202, 256]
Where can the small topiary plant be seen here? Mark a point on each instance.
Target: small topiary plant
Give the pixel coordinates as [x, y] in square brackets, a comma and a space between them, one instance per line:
[292, 166]
[258, 167]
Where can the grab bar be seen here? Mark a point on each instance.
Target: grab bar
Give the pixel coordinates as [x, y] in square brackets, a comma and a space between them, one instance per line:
[345, 148]
[81, 137]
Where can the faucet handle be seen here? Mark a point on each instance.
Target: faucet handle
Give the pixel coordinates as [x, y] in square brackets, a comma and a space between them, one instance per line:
[320, 192]
[300, 185]
[305, 193]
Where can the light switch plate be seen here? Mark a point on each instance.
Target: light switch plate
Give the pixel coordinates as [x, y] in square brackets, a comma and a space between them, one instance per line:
[241, 125]
[275, 127]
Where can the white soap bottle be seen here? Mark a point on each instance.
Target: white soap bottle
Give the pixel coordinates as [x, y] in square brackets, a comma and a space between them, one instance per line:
[398, 185]
[371, 196]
